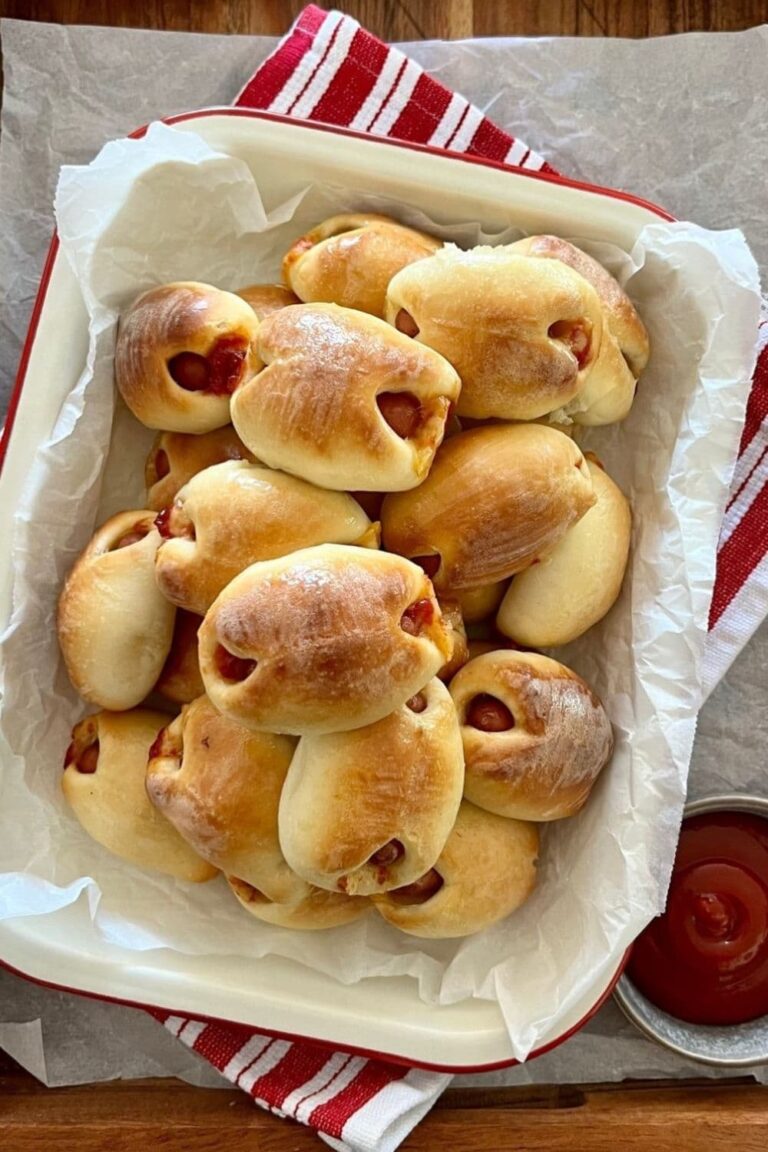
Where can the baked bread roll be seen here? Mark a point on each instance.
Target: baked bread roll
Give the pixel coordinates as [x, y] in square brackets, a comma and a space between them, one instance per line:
[219, 785]
[115, 626]
[451, 611]
[578, 581]
[521, 332]
[496, 500]
[175, 457]
[486, 870]
[180, 679]
[234, 514]
[324, 640]
[369, 810]
[624, 349]
[103, 781]
[318, 909]
[265, 299]
[535, 735]
[344, 401]
[480, 603]
[350, 260]
[181, 351]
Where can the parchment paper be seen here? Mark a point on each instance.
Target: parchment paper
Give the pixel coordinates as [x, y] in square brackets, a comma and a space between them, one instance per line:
[91, 48]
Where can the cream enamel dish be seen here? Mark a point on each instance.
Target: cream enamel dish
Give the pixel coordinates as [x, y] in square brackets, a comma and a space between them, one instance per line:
[382, 1016]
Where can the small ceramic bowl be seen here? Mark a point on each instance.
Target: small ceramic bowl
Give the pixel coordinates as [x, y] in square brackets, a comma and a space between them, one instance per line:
[724, 1046]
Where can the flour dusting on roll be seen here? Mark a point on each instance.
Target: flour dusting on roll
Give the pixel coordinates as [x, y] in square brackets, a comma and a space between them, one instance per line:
[324, 640]
[344, 400]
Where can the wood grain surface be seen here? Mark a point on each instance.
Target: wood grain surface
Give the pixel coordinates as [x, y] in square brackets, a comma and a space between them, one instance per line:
[412, 19]
[656, 1117]
[148, 1114]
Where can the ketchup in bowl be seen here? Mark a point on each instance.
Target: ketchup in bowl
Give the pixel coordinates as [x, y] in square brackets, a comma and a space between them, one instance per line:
[706, 959]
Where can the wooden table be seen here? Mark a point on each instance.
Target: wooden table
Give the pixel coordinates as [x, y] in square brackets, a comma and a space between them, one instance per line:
[680, 1116]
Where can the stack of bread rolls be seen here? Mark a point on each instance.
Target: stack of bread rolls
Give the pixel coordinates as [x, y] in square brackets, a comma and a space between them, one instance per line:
[314, 651]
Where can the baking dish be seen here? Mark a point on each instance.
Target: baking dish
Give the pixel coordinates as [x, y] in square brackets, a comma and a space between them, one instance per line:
[384, 1016]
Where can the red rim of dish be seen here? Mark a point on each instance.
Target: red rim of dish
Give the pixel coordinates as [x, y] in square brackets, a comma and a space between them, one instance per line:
[5, 435]
[334, 1046]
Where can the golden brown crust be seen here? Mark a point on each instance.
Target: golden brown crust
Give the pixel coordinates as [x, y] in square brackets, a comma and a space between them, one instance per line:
[451, 610]
[392, 788]
[576, 583]
[350, 260]
[219, 785]
[319, 909]
[265, 299]
[495, 499]
[186, 317]
[621, 316]
[314, 409]
[506, 323]
[487, 868]
[175, 457]
[109, 798]
[180, 679]
[324, 625]
[114, 625]
[544, 766]
[235, 514]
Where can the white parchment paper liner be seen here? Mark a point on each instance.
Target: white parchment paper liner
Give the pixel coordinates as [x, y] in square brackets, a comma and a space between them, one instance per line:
[167, 207]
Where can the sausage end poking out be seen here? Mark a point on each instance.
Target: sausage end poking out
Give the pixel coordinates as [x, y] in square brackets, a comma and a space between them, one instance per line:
[420, 891]
[231, 667]
[417, 617]
[489, 714]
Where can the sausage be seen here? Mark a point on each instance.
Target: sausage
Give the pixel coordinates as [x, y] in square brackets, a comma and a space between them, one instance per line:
[401, 410]
[417, 617]
[233, 667]
[404, 322]
[219, 372]
[489, 714]
[420, 891]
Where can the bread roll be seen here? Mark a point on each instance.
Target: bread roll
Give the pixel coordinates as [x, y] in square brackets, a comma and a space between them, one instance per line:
[181, 351]
[621, 317]
[234, 514]
[451, 611]
[486, 870]
[324, 640]
[115, 626]
[369, 810]
[103, 781]
[521, 332]
[350, 260]
[344, 401]
[535, 735]
[219, 785]
[609, 389]
[496, 499]
[574, 585]
[318, 909]
[477, 604]
[180, 679]
[175, 457]
[265, 299]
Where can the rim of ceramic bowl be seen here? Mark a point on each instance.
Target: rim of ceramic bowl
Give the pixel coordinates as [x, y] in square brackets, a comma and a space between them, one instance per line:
[704, 1043]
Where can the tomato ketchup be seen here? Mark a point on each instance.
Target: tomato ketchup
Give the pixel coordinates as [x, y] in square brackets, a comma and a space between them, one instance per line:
[705, 960]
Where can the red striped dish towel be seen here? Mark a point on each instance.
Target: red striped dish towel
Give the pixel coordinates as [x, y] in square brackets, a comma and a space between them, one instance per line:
[353, 1103]
[330, 69]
